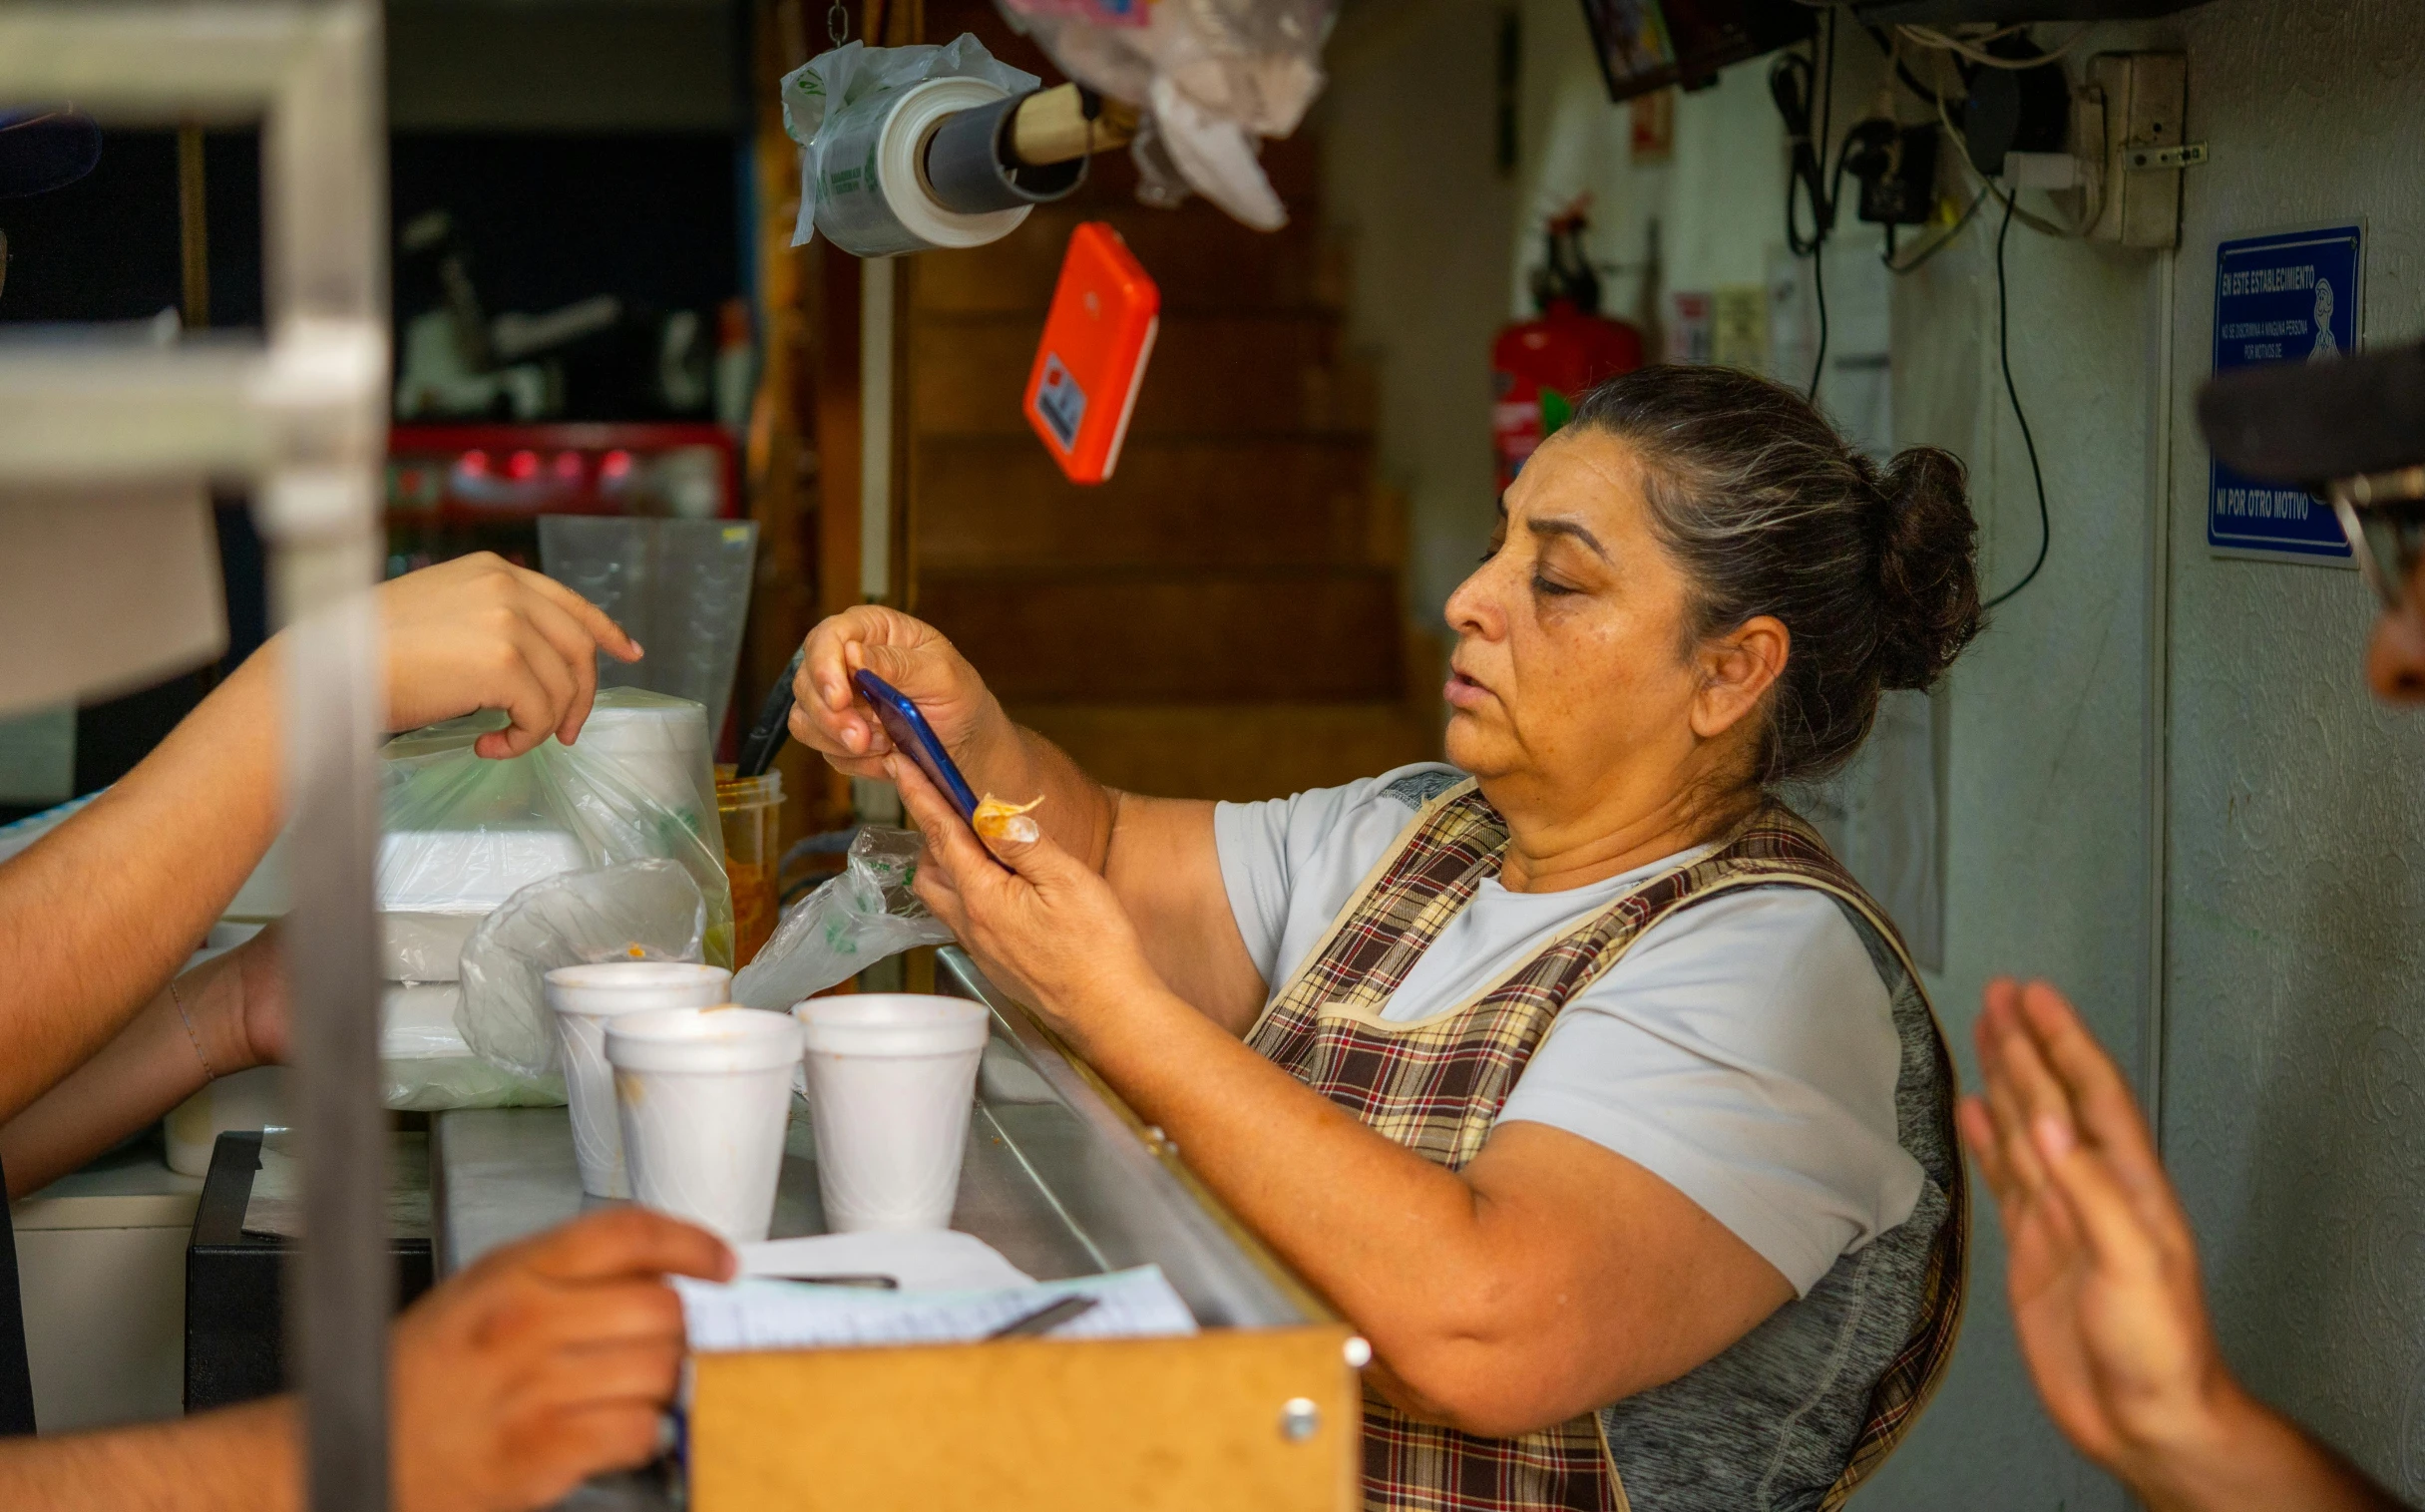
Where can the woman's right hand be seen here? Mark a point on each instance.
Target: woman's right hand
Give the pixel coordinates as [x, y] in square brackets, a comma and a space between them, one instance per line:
[828, 718]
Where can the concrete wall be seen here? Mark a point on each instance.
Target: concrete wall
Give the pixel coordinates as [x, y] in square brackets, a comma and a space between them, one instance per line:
[2294, 1003]
[2165, 786]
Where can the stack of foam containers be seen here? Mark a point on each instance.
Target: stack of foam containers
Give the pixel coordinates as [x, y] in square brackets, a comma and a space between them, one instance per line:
[435, 886]
[660, 745]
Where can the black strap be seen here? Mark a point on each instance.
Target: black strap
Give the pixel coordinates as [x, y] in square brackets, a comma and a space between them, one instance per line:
[16, 1376]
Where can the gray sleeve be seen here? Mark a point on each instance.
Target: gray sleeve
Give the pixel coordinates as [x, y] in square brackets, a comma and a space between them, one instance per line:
[1273, 851]
[1743, 1051]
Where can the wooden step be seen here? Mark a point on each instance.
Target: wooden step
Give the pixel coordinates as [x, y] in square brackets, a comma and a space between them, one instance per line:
[1211, 375]
[1202, 260]
[1236, 751]
[1279, 635]
[999, 501]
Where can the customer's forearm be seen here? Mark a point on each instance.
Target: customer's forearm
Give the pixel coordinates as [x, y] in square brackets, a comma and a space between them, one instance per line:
[96, 916]
[2250, 1458]
[186, 1034]
[241, 1459]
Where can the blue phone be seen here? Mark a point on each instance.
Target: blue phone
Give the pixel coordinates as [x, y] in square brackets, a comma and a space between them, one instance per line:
[912, 735]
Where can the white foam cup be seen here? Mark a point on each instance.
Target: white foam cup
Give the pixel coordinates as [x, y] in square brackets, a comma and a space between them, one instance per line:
[704, 1095]
[585, 998]
[891, 1076]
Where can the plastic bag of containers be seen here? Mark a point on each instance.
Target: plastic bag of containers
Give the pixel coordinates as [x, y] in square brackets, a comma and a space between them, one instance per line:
[847, 924]
[463, 835]
[1211, 78]
[632, 910]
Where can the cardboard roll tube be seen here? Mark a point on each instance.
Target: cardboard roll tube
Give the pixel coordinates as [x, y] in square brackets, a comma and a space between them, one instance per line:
[872, 198]
[1065, 121]
[969, 166]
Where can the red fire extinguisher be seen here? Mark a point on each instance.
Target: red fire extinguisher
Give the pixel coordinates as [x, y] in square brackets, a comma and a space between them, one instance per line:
[1540, 367]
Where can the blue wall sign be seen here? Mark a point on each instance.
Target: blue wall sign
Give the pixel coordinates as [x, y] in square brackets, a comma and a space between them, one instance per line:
[2292, 298]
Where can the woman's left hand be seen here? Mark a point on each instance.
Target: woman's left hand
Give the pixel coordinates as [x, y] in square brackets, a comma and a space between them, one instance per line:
[1049, 931]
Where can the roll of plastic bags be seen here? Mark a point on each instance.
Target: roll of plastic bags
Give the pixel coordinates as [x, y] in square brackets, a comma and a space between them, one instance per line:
[847, 924]
[837, 106]
[634, 910]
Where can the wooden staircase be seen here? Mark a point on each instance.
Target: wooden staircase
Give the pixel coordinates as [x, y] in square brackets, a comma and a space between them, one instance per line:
[1225, 617]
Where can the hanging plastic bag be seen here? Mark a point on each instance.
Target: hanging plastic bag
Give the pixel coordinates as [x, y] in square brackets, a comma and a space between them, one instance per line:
[634, 911]
[1212, 76]
[862, 916]
[841, 107]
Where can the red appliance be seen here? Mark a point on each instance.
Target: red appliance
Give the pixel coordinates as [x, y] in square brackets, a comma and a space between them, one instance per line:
[457, 489]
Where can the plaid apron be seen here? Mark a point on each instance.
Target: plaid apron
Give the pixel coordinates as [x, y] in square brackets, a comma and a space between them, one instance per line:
[1436, 1085]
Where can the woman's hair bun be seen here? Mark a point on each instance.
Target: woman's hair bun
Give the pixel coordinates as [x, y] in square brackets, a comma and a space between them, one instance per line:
[1928, 587]
[1767, 509]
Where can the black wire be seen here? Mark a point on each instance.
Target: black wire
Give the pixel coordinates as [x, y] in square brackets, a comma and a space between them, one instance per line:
[1796, 85]
[2004, 358]
[1790, 86]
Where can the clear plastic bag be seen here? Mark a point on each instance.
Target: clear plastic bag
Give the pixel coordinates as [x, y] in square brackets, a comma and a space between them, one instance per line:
[464, 833]
[428, 1068]
[847, 924]
[680, 588]
[635, 911]
[1211, 75]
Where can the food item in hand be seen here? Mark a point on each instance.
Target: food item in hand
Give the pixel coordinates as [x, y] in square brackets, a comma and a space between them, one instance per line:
[996, 820]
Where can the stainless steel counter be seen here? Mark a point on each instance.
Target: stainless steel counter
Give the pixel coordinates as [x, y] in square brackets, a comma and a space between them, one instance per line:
[1057, 1175]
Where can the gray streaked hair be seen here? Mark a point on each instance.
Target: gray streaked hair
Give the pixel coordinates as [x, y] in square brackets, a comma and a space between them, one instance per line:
[1768, 511]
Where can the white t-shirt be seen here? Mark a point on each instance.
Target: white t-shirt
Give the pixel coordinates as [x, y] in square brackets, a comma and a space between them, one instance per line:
[1744, 1051]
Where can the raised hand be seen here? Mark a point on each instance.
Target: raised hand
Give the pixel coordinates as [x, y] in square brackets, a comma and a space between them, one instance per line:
[2104, 1270]
[2103, 1277]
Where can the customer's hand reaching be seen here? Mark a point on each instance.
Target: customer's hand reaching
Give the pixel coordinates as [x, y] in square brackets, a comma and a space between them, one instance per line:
[478, 632]
[2103, 1277]
[544, 1364]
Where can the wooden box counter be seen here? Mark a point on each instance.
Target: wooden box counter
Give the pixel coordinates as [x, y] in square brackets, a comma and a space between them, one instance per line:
[1260, 1410]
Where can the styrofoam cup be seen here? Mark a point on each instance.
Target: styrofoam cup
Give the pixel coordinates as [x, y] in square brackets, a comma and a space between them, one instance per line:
[891, 1076]
[585, 998]
[704, 1095]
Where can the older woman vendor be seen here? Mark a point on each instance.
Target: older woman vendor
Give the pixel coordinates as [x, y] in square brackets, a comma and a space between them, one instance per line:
[1577, 1074]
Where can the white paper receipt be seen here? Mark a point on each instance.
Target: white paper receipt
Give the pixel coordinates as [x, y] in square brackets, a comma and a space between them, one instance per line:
[759, 1313]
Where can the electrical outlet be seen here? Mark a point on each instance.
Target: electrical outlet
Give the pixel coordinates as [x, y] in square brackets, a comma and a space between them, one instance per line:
[2146, 99]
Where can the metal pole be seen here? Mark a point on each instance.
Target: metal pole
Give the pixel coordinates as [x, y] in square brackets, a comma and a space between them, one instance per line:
[324, 152]
[305, 419]
[340, 1282]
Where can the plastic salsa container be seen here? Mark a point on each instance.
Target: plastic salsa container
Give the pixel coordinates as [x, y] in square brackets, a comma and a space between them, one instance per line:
[752, 811]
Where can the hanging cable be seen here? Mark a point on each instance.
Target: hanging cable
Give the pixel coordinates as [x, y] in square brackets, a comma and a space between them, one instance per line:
[1797, 84]
[1972, 48]
[2013, 393]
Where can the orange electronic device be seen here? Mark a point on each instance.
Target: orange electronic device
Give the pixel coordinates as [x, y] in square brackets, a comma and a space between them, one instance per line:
[1106, 314]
